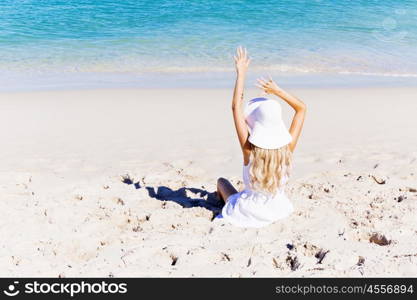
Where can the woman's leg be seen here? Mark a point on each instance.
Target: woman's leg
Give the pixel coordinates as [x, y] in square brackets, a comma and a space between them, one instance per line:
[225, 188]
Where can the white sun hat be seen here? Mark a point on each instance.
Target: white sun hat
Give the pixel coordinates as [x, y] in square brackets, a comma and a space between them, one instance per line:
[266, 128]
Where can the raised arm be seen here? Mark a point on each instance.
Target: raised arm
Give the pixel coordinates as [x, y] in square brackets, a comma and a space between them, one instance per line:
[242, 63]
[299, 107]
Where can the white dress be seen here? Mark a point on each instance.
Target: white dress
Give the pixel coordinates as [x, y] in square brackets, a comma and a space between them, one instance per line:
[254, 209]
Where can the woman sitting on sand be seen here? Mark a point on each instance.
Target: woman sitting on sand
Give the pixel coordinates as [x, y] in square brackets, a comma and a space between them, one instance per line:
[267, 148]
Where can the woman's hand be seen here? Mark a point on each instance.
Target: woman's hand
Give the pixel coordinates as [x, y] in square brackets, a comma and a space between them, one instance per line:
[268, 86]
[242, 61]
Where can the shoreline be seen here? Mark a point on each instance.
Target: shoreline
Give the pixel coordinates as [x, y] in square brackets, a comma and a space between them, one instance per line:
[194, 80]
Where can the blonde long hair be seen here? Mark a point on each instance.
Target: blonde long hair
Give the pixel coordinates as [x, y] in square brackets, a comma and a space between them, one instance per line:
[268, 167]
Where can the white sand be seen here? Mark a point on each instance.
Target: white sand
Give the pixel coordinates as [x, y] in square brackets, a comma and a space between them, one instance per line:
[66, 212]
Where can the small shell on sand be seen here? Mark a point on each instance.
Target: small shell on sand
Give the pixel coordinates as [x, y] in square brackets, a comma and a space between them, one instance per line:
[78, 197]
[320, 255]
[361, 261]
[275, 263]
[119, 200]
[292, 262]
[400, 198]
[174, 260]
[379, 239]
[226, 257]
[378, 180]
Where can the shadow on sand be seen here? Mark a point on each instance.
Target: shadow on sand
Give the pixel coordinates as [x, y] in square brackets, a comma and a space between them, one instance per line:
[186, 197]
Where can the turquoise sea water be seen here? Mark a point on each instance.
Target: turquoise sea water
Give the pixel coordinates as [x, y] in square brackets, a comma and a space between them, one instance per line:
[93, 42]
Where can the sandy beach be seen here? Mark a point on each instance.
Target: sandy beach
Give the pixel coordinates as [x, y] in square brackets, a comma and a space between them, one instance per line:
[121, 182]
